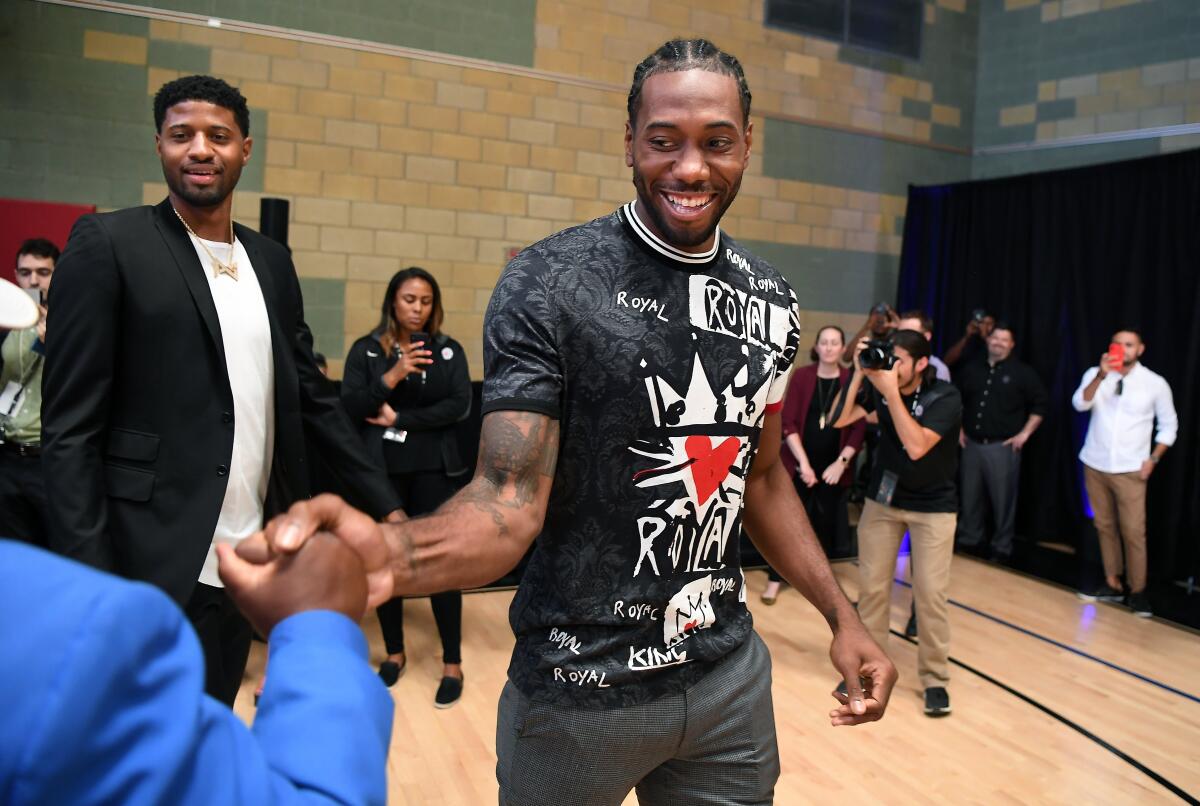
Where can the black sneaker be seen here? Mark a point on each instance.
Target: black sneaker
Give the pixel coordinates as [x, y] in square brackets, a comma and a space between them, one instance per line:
[937, 701]
[390, 671]
[1139, 603]
[1101, 594]
[448, 692]
[910, 629]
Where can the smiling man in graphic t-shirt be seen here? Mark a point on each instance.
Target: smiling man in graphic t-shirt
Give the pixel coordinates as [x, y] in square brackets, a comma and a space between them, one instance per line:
[635, 366]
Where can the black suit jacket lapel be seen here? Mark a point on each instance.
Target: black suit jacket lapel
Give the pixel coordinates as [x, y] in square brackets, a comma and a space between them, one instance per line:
[189, 266]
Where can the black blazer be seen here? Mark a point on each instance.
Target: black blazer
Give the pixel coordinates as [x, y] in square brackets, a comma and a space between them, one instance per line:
[137, 411]
[427, 408]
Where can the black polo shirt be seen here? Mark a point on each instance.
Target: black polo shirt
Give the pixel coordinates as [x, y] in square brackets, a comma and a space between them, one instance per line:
[927, 484]
[999, 398]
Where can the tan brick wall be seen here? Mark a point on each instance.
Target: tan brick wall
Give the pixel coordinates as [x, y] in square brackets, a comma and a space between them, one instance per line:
[790, 74]
[391, 161]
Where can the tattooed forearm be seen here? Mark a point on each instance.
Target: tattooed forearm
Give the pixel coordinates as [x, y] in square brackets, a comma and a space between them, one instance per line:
[481, 532]
[517, 451]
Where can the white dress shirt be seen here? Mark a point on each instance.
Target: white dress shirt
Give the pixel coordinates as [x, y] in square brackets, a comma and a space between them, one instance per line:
[939, 366]
[1119, 434]
[246, 334]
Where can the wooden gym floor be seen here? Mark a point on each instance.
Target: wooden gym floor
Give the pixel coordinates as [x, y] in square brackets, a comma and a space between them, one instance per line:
[1055, 701]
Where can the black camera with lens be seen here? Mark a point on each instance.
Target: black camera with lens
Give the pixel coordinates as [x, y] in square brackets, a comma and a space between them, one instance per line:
[878, 354]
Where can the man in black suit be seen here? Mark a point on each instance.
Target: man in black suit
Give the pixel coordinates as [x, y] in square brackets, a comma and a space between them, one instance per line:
[180, 386]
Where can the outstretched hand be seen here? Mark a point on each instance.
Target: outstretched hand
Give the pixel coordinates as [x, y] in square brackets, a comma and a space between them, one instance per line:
[868, 673]
[268, 587]
[286, 533]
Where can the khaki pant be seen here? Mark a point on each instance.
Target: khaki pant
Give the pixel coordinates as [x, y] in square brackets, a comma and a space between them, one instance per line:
[880, 530]
[1119, 511]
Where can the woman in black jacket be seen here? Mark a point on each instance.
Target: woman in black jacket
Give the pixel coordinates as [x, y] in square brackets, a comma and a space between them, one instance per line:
[406, 385]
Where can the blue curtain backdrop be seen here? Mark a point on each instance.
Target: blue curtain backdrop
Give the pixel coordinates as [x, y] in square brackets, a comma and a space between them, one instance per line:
[1067, 258]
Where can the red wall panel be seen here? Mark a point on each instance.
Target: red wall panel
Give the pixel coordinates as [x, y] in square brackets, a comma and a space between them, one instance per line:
[21, 219]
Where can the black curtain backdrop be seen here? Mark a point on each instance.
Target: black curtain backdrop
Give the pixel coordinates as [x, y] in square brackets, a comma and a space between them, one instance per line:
[1068, 258]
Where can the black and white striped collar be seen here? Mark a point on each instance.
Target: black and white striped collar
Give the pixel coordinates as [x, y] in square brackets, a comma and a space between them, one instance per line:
[660, 247]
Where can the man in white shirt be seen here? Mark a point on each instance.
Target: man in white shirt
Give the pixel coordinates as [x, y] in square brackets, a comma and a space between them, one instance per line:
[181, 398]
[1125, 400]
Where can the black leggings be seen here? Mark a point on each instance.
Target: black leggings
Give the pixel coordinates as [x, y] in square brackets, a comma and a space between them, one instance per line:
[826, 508]
[422, 493]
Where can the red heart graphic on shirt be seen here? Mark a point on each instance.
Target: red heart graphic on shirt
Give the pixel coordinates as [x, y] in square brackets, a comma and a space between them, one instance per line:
[710, 466]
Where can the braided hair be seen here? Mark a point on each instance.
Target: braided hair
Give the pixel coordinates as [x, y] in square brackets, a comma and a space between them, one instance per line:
[688, 54]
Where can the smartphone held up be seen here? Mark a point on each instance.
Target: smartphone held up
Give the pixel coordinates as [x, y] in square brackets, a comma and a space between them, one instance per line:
[1116, 355]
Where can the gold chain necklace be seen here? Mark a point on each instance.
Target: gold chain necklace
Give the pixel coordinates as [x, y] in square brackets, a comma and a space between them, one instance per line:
[821, 397]
[218, 268]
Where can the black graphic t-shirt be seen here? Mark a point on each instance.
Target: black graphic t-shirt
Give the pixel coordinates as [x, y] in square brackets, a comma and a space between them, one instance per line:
[660, 366]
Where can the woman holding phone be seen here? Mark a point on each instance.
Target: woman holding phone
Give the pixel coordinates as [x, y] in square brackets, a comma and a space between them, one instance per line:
[817, 455]
[406, 385]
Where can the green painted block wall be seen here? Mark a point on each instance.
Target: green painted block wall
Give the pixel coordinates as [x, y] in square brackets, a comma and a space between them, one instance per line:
[948, 53]
[82, 130]
[832, 279]
[324, 312]
[498, 30]
[988, 166]
[76, 130]
[1018, 50]
[832, 157]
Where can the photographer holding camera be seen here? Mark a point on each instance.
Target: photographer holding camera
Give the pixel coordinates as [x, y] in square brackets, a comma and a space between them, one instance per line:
[912, 490]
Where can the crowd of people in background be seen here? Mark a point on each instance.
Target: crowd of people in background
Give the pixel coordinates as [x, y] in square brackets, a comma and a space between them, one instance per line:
[1003, 402]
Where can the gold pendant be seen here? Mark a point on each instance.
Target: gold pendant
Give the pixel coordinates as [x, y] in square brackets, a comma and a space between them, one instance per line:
[220, 268]
[821, 422]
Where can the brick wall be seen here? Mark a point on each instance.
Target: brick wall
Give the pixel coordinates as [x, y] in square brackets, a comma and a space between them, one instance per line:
[1051, 70]
[395, 160]
[392, 160]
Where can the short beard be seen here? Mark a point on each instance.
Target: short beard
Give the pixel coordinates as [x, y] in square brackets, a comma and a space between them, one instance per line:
[675, 237]
[197, 197]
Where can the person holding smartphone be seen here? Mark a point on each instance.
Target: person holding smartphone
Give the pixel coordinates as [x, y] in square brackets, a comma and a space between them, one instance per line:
[1133, 422]
[973, 344]
[22, 490]
[406, 385]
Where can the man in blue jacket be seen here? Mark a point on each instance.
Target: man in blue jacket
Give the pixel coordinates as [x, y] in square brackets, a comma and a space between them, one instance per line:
[102, 686]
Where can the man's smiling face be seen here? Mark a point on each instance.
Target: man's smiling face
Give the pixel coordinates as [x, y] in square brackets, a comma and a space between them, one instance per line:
[688, 147]
[203, 151]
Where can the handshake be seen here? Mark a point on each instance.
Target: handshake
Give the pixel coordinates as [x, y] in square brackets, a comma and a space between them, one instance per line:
[321, 555]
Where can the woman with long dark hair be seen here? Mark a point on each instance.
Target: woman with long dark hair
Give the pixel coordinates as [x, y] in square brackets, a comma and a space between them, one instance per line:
[406, 385]
[817, 455]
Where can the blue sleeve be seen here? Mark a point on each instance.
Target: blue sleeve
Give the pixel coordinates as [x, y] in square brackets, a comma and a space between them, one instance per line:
[325, 719]
[115, 710]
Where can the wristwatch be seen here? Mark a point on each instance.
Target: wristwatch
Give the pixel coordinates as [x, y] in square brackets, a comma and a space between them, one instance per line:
[1154, 458]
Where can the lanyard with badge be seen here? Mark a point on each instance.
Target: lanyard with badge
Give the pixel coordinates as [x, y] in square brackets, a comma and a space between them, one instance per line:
[12, 398]
[890, 479]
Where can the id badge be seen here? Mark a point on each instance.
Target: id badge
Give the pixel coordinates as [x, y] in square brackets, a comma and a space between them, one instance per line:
[394, 435]
[12, 398]
[887, 488]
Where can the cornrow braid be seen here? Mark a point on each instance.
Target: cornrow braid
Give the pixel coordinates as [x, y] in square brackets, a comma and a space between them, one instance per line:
[688, 54]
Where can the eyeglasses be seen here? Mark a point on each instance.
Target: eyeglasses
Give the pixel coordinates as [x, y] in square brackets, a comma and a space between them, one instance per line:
[1120, 386]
